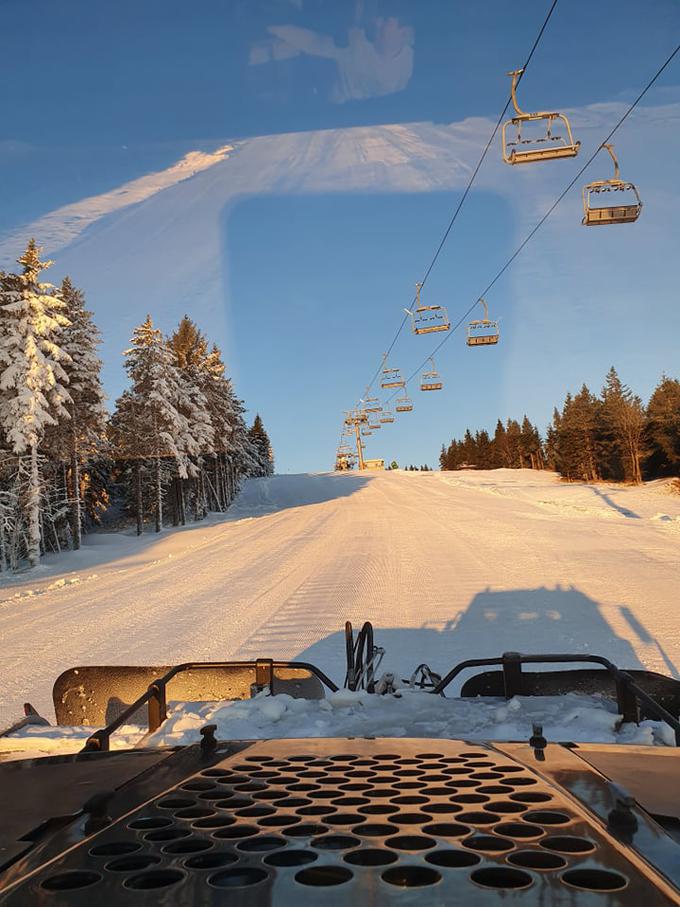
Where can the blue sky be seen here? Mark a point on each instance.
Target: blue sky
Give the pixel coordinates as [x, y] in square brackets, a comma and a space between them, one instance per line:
[303, 271]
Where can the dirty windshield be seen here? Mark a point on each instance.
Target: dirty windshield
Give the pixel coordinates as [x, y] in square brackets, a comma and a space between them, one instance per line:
[338, 346]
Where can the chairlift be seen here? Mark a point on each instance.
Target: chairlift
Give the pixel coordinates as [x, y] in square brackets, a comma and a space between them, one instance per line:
[432, 380]
[371, 405]
[553, 146]
[366, 433]
[483, 332]
[403, 404]
[386, 417]
[626, 212]
[426, 319]
[391, 377]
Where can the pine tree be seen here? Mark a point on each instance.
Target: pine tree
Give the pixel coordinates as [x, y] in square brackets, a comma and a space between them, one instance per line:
[531, 445]
[513, 435]
[662, 429]
[623, 419]
[190, 352]
[81, 437]
[260, 440]
[33, 382]
[576, 437]
[148, 424]
[500, 454]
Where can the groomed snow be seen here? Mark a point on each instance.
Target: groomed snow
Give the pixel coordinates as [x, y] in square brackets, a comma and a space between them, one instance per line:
[447, 566]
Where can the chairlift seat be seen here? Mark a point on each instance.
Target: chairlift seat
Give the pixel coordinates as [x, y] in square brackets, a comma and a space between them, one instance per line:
[429, 319]
[482, 340]
[482, 333]
[541, 154]
[610, 214]
[556, 146]
[431, 386]
[392, 378]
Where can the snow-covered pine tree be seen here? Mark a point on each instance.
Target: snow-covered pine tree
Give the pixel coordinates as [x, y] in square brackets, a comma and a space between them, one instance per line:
[260, 441]
[189, 348]
[81, 437]
[148, 424]
[33, 382]
[224, 415]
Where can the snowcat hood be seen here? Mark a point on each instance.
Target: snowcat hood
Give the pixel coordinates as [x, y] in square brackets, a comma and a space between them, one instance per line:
[352, 821]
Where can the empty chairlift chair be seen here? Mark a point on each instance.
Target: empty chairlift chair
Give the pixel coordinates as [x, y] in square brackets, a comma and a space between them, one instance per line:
[371, 405]
[391, 377]
[432, 380]
[404, 404]
[519, 150]
[483, 332]
[386, 417]
[426, 319]
[626, 206]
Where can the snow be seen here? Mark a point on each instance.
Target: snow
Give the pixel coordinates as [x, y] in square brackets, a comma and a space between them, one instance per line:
[570, 717]
[447, 566]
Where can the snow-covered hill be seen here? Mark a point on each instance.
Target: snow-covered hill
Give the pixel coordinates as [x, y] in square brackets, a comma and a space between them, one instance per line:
[446, 565]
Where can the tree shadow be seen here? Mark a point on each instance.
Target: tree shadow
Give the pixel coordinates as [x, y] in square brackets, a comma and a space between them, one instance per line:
[562, 620]
[644, 636]
[259, 497]
[624, 511]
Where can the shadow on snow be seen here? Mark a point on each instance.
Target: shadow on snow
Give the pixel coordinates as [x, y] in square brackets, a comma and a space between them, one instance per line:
[552, 621]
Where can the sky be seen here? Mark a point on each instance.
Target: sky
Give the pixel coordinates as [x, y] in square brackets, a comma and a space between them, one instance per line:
[282, 171]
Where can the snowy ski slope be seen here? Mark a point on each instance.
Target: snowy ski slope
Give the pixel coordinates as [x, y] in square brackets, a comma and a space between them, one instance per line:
[447, 566]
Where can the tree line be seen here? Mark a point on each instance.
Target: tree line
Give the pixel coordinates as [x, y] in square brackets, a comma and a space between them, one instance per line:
[612, 436]
[175, 447]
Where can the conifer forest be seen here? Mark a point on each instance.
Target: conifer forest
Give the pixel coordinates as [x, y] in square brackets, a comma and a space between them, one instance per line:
[611, 437]
[174, 447]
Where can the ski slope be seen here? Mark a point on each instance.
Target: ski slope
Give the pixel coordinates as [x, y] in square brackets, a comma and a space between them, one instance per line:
[447, 566]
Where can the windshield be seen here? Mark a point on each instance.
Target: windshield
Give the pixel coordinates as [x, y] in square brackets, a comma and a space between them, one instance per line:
[304, 320]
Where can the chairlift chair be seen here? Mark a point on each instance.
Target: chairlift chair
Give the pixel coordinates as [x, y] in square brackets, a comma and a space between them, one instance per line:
[431, 381]
[403, 404]
[554, 146]
[483, 332]
[391, 377]
[386, 417]
[622, 213]
[374, 423]
[426, 319]
[366, 433]
[371, 405]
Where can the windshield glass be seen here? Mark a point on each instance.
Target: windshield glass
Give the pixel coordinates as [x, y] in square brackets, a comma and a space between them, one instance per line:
[302, 320]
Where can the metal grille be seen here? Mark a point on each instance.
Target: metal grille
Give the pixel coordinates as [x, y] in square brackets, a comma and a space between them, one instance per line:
[361, 820]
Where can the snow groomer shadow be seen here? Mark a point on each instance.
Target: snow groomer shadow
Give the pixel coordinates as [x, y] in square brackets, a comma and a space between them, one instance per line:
[560, 621]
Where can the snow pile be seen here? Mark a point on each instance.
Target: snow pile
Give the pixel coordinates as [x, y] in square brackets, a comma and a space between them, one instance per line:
[572, 717]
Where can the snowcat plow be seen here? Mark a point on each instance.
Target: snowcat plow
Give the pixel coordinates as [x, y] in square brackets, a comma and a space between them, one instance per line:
[370, 818]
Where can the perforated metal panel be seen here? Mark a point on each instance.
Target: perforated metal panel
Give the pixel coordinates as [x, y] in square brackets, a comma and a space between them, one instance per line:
[352, 822]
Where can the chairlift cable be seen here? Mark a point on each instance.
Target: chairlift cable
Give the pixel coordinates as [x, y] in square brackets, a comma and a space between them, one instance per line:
[547, 214]
[466, 192]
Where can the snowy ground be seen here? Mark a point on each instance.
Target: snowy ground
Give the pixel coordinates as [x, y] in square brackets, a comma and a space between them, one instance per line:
[447, 566]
